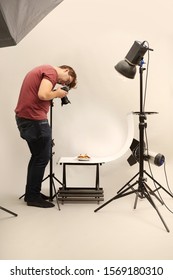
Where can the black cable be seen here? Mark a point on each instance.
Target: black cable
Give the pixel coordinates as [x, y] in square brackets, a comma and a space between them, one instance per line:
[151, 173]
[166, 178]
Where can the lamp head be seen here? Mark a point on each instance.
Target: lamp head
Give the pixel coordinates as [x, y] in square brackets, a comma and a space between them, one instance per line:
[127, 67]
[155, 158]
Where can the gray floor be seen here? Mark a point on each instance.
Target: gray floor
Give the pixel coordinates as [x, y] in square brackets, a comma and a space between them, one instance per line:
[117, 231]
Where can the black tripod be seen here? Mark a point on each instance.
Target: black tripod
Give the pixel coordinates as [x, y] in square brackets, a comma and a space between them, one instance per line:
[143, 190]
[51, 175]
[8, 211]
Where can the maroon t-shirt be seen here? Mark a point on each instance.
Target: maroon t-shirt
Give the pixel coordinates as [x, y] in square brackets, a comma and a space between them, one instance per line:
[29, 105]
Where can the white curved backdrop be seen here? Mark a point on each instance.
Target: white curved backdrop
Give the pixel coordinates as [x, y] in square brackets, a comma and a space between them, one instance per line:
[91, 36]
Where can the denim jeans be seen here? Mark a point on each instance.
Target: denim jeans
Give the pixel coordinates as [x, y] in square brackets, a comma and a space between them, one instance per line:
[39, 140]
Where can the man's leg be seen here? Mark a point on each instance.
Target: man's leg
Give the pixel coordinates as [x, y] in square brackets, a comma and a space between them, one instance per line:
[40, 155]
[38, 136]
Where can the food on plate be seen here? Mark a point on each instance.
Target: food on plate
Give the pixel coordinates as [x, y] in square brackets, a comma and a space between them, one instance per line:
[83, 156]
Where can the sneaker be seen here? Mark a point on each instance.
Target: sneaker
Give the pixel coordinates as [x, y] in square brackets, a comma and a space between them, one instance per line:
[43, 196]
[40, 203]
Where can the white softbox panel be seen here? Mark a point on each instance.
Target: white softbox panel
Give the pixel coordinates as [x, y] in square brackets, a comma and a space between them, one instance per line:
[19, 17]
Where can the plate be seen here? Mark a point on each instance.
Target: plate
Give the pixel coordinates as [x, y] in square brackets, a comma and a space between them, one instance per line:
[83, 159]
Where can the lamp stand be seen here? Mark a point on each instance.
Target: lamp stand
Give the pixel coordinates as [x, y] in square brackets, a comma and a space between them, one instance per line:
[143, 190]
[51, 175]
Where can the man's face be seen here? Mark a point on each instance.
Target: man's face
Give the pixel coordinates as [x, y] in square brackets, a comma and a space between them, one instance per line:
[66, 78]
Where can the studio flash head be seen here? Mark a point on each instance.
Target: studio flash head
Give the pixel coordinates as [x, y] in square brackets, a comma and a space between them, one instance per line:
[152, 157]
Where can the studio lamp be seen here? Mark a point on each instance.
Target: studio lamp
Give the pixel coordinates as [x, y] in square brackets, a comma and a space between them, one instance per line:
[127, 67]
[157, 159]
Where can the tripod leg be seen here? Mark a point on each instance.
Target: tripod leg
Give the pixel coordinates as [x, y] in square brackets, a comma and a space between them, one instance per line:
[58, 180]
[104, 204]
[120, 193]
[55, 194]
[147, 195]
[59, 183]
[136, 200]
[115, 197]
[160, 186]
[128, 183]
[8, 211]
[153, 193]
[45, 178]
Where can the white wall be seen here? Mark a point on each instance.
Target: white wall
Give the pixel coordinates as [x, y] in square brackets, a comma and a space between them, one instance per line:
[91, 36]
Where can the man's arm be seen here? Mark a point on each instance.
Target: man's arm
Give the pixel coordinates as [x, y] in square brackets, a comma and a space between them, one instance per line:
[45, 91]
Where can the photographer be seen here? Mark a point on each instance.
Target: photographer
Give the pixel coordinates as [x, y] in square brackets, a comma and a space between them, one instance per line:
[31, 116]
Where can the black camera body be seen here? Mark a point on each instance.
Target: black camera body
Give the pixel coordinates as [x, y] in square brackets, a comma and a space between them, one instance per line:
[65, 100]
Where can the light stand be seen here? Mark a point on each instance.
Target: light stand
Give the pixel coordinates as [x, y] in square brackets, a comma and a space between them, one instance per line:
[51, 175]
[142, 190]
[8, 211]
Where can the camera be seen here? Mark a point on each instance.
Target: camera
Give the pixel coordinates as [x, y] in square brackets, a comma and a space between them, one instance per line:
[65, 100]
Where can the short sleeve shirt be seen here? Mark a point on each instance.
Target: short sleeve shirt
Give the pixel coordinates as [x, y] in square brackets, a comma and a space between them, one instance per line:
[29, 105]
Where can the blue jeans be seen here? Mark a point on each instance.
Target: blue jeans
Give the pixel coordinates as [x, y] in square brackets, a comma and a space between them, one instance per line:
[39, 140]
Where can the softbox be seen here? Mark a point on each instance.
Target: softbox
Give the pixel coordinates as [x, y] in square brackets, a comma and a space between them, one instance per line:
[19, 17]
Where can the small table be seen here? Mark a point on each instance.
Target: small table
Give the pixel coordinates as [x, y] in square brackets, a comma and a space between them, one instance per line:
[94, 193]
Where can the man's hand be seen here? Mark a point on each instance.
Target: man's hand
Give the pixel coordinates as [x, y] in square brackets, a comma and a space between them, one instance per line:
[60, 93]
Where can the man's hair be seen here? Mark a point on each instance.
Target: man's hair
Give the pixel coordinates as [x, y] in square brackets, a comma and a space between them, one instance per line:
[72, 73]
